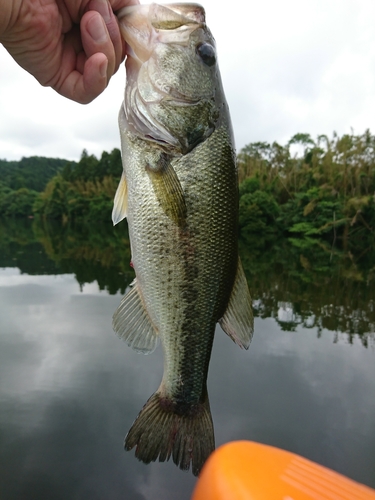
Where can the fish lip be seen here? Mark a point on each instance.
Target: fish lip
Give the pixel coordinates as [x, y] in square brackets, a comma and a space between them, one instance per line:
[195, 11]
[141, 26]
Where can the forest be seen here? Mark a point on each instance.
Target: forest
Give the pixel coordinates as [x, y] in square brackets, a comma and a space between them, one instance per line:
[22, 181]
[306, 226]
[306, 189]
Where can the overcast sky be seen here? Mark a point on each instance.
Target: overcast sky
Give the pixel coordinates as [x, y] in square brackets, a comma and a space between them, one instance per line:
[287, 66]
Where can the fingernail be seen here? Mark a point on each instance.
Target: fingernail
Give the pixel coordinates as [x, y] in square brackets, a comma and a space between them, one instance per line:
[97, 29]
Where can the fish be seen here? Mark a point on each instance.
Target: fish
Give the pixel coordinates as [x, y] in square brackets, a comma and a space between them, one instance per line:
[179, 193]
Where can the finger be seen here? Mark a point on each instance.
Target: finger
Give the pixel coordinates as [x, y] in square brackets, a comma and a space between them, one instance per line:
[96, 39]
[104, 8]
[84, 88]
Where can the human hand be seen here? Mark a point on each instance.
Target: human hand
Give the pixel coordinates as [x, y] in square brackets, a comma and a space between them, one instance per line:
[73, 46]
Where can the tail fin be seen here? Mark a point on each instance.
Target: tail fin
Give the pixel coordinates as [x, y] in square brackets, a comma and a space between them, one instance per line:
[164, 429]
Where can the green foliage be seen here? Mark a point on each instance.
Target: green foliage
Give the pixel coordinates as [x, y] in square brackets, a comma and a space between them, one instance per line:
[305, 228]
[17, 203]
[32, 173]
[249, 185]
[84, 190]
[89, 168]
[68, 190]
[258, 212]
[52, 202]
[22, 180]
[325, 189]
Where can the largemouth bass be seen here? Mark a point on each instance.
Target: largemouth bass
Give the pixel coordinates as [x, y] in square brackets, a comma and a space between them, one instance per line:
[179, 192]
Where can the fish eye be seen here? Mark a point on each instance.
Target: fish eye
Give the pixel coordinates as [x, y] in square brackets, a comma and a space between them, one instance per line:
[207, 53]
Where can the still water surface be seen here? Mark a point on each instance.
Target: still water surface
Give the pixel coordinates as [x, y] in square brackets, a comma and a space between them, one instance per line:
[70, 390]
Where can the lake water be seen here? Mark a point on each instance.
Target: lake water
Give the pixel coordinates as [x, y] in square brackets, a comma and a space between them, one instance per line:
[70, 389]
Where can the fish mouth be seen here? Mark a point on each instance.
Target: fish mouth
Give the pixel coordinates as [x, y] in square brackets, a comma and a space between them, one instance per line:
[142, 26]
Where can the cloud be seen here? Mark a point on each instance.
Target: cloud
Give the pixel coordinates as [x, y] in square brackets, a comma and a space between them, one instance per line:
[287, 67]
[37, 121]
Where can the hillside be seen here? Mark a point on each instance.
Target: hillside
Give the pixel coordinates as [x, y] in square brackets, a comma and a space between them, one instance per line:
[31, 173]
[21, 181]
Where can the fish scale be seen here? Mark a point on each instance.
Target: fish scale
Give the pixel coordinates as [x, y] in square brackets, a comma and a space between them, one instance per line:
[201, 265]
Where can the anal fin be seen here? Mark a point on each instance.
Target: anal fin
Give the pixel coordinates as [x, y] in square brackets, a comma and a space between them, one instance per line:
[238, 320]
[132, 323]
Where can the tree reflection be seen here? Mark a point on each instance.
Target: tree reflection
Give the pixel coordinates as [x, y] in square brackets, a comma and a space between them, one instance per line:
[306, 282]
[97, 252]
[295, 281]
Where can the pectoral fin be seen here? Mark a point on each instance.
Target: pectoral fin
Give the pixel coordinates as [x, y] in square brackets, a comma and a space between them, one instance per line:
[120, 204]
[238, 320]
[168, 190]
[132, 323]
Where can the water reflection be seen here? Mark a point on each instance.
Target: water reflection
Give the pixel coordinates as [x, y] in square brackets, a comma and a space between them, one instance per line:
[302, 282]
[70, 388]
[69, 392]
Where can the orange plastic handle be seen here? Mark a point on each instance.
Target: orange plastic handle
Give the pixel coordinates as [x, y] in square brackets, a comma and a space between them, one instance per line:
[244, 470]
